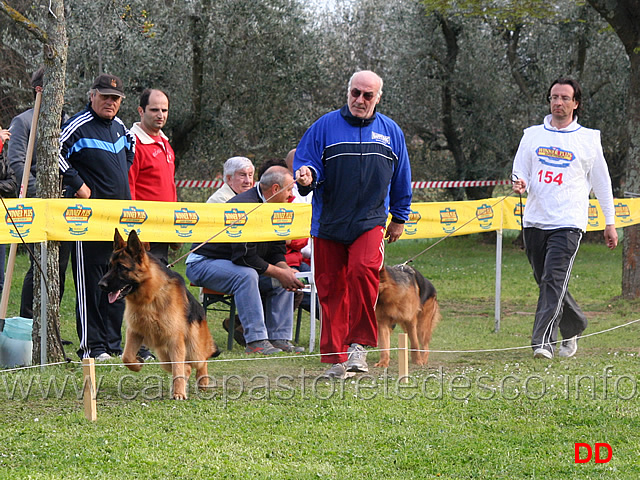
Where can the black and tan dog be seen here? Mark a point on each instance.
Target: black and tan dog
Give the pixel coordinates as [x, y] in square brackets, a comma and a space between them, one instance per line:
[407, 299]
[159, 312]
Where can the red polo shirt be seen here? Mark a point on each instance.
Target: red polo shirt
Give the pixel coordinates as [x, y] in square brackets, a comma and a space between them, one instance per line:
[152, 175]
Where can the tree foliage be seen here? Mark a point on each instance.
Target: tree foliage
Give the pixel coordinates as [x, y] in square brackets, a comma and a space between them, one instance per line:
[462, 77]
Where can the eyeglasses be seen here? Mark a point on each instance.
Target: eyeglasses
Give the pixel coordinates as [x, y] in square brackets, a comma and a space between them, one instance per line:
[564, 98]
[355, 93]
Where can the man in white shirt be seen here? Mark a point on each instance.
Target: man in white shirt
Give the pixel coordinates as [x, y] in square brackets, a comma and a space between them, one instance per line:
[558, 163]
[238, 177]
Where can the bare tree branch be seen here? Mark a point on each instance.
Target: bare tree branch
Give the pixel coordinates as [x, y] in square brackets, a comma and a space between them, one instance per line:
[24, 22]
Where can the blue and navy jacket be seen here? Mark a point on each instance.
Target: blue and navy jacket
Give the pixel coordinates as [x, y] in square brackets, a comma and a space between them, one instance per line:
[361, 174]
[97, 152]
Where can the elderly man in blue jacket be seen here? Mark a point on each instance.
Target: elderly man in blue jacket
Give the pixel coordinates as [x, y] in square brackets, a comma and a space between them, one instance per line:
[355, 161]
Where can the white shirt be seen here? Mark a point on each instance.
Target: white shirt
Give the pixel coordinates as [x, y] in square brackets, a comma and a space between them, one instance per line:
[561, 166]
[224, 193]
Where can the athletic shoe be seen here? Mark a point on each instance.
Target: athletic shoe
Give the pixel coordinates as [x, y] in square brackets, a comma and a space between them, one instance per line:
[103, 357]
[286, 346]
[337, 371]
[262, 347]
[569, 347]
[357, 361]
[542, 353]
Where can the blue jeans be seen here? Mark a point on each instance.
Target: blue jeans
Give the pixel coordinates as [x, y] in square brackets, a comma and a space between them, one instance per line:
[265, 312]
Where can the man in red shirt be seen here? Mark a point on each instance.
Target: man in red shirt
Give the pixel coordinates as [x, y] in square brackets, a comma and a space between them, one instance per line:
[152, 175]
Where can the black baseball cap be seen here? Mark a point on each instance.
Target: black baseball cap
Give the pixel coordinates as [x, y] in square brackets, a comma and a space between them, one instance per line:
[37, 79]
[108, 85]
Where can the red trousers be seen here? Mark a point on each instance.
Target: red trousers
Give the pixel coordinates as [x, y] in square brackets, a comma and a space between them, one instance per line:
[347, 278]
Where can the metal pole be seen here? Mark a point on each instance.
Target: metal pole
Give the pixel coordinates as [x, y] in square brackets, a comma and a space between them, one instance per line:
[498, 278]
[43, 304]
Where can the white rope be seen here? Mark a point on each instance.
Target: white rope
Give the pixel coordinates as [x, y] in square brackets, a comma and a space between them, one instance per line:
[316, 355]
[9, 370]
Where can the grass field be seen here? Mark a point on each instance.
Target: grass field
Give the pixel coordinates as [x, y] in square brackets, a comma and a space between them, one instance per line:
[481, 414]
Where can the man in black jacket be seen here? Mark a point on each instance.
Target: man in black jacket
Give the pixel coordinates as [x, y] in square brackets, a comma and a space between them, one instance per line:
[248, 270]
[96, 151]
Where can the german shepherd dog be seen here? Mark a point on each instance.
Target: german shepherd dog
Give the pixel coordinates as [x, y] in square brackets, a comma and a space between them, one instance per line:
[160, 313]
[406, 298]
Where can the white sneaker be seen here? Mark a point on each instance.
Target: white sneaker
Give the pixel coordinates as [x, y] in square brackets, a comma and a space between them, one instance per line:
[103, 357]
[569, 347]
[357, 361]
[542, 353]
[337, 371]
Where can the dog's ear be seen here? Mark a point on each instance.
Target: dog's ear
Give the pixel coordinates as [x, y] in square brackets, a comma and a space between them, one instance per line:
[135, 245]
[118, 241]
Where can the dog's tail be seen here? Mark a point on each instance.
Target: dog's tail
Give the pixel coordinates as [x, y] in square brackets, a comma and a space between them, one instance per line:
[431, 309]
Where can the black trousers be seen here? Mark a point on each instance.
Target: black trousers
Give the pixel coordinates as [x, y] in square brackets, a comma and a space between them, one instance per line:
[98, 322]
[161, 251]
[26, 297]
[551, 254]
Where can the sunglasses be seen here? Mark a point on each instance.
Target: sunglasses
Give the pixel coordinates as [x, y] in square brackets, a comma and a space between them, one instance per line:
[355, 93]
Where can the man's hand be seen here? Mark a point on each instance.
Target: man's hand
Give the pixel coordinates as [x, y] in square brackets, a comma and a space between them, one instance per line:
[610, 236]
[304, 176]
[287, 277]
[519, 186]
[5, 135]
[394, 230]
[83, 192]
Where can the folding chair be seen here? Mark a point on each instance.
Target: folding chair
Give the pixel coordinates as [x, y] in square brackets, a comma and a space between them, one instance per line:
[311, 288]
[209, 300]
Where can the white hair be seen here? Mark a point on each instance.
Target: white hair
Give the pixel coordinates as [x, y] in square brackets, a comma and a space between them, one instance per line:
[233, 164]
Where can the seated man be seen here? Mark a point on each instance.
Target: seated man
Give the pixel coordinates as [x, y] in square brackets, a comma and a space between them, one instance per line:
[247, 271]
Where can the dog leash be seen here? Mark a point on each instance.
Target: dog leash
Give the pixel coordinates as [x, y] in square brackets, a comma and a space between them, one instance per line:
[235, 222]
[455, 231]
[514, 177]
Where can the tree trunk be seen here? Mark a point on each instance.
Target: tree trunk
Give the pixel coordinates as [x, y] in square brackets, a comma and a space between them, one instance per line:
[184, 133]
[624, 18]
[631, 241]
[48, 177]
[449, 128]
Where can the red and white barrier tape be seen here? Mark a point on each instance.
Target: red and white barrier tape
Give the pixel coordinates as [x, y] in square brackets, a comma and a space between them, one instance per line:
[460, 183]
[437, 184]
[199, 183]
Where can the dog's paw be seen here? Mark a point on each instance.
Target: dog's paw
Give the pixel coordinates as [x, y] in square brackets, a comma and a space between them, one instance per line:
[180, 396]
[382, 364]
[135, 365]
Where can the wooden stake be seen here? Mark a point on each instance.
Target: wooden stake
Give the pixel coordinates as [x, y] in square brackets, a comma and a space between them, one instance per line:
[89, 390]
[11, 260]
[403, 358]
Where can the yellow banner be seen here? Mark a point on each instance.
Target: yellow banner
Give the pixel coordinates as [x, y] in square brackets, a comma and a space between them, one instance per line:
[39, 220]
